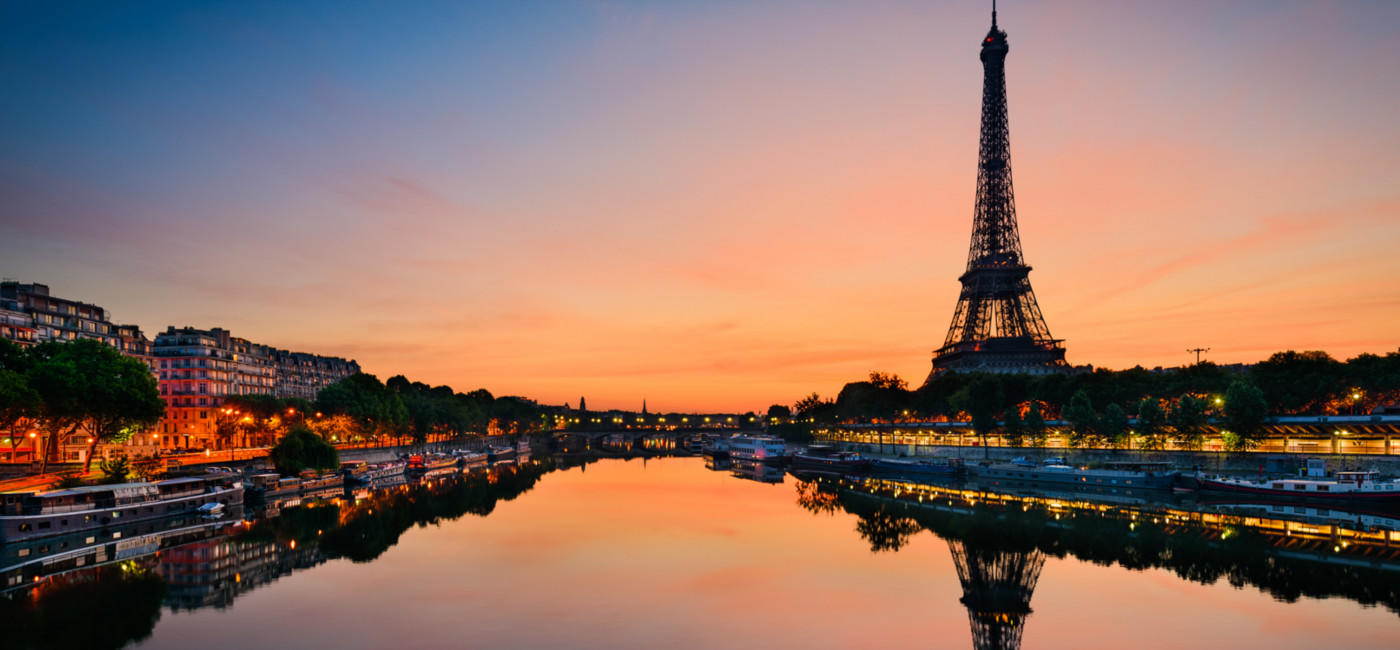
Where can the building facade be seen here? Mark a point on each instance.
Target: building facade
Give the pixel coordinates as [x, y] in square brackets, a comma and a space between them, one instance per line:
[198, 369]
[195, 370]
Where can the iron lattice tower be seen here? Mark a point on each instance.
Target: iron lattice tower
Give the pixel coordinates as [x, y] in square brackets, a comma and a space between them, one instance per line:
[997, 325]
[997, 587]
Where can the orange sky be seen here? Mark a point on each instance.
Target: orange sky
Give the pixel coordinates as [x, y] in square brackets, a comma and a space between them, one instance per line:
[712, 207]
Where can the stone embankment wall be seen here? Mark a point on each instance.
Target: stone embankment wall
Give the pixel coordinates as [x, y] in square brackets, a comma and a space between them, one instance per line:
[1251, 463]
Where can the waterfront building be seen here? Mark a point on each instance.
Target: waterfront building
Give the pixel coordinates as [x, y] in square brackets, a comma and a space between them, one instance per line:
[199, 369]
[51, 318]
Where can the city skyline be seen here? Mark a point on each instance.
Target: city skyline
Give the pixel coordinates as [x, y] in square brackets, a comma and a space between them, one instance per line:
[712, 207]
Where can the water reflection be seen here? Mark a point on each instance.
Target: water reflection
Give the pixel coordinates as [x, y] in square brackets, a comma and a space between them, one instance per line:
[117, 594]
[999, 542]
[998, 537]
[997, 586]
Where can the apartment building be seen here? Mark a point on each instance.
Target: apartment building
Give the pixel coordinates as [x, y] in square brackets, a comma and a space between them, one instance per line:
[198, 369]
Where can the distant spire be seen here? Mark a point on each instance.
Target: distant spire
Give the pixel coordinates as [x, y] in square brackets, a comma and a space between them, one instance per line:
[644, 406]
[994, 14]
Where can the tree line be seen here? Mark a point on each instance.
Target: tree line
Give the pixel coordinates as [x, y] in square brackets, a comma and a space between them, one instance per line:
[1099, 406]
[361, 408]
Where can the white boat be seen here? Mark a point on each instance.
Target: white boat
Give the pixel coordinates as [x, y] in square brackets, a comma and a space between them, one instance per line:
[762, 449]
[30, 515]
[212, 510]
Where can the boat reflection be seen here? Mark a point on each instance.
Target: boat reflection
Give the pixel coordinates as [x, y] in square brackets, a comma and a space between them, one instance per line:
[187, 564]
[753, 470]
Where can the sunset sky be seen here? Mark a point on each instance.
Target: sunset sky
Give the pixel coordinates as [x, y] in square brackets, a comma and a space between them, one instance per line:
[712, 205]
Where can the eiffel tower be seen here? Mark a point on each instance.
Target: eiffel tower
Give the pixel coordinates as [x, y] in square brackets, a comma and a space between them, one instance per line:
[997, 325]
[997, 587]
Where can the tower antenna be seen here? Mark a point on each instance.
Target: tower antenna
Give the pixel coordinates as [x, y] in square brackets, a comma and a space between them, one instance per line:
[994, 14]
[1197, 352]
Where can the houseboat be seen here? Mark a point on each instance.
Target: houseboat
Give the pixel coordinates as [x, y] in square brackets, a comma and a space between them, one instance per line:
[761, 449]
[55, 512]
[919, 468]
[500, 453]
[833, 461]
[1131, 475]
[420, 465]
[1360, 487]
[371, 473]
[716, 448]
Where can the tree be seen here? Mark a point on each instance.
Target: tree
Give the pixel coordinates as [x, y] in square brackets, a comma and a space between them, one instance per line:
[980, 399]
[115, 470]
[1245, 414]
[779, 411]
[1188, 418]
[88, 384]
[18, 402]
[1081, 416]
[887, 380]
[815, 408]
[373, 406]
[1114, 425]
[1015, 426]
[1298, 382]
[886, 532]
[1151, 423]
[1035, 424]
[302, 449]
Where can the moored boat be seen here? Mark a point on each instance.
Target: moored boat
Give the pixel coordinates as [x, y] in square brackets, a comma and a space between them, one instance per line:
[716, 448]
[1128, 474]
[41, 514]
[935, 467]
[840, 461]
[761, 449]
[1358, 486]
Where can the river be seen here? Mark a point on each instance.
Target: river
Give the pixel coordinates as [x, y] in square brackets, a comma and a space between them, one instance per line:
[667, 552]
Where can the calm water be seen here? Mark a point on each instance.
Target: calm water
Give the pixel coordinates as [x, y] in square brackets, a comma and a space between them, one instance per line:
[666, 552]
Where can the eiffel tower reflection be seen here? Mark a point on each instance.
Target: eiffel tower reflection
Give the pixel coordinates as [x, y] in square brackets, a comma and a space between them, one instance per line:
[997, 586]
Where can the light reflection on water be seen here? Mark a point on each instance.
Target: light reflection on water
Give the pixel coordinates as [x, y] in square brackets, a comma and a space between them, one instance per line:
[640, 553]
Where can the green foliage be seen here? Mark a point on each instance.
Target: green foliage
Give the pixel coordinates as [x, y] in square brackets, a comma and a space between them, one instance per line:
[1035, 425]
[1296, 382]
[885, 531]
[1245, 413]
[1151, 423]
[146, 467]
[1188, 418]
[815, 408]
[887, 380]
[67, 480]
[90, 385]
[1015, 427]
[1113, 426]
[1081, 416]
[115, 470]
[792, 431]
[18, 399]
[302, 449]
